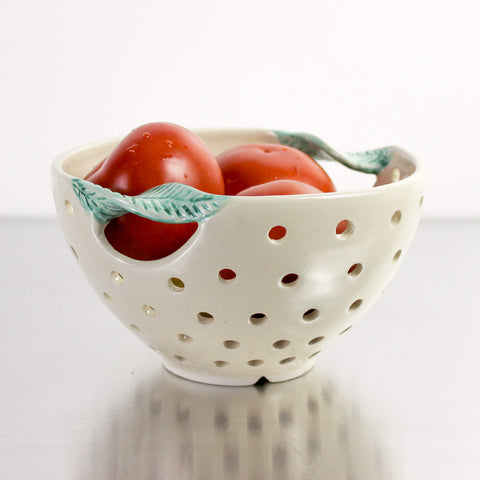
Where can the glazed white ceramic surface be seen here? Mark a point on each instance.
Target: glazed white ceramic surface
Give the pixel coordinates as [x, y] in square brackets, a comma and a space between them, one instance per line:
[234, 332]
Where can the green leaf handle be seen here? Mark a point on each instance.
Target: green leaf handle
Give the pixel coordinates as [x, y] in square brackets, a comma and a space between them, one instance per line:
[167, 203]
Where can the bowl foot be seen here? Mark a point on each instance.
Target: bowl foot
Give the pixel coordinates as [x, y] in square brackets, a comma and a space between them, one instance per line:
[201, 376]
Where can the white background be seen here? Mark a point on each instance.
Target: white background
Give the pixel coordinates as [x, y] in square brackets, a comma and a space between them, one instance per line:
[358, 74]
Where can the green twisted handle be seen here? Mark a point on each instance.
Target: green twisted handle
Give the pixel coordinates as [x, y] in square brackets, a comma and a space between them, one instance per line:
[370, 161]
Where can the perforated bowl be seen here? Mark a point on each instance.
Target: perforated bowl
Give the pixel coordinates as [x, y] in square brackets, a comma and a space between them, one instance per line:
[265, 283]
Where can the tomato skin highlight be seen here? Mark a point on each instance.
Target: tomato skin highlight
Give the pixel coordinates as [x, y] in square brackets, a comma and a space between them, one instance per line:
[253, 164]
[279, 187]
[152, 155]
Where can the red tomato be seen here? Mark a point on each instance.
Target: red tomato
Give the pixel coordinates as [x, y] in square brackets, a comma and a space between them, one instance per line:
[341, 227]
[144, 239]
[279, 187]
[158, 153]
[254, 164]
[287, 187]
[152, 155]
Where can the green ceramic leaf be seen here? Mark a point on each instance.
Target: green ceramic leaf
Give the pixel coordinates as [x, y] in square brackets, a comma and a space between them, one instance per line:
[168, 203]
[370, 161]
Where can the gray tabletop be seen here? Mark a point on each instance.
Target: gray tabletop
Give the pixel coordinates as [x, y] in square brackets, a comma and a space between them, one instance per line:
[396, 398]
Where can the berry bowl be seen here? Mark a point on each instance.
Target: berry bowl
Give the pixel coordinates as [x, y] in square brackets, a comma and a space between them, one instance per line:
[265, 283]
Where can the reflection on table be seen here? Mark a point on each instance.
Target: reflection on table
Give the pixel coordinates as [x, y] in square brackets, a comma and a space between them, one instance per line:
[172, 428]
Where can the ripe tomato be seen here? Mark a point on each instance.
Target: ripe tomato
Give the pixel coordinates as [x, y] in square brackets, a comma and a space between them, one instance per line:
[144, 239]
[287, 187]
[254, 164]
[279, 187]
[158, 153]
[151, 155]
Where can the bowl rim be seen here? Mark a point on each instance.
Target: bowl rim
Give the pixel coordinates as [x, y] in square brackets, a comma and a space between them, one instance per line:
[418, 173]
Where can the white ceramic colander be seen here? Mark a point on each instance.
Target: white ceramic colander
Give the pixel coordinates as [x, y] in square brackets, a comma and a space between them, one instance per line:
[294, 289]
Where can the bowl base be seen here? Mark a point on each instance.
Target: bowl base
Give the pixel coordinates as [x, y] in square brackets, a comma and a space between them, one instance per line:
[202, 376]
